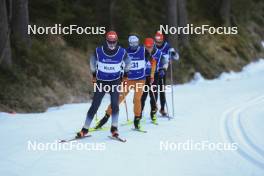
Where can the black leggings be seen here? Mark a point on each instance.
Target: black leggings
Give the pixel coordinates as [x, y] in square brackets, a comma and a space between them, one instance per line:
[162, 84]
[97, 99]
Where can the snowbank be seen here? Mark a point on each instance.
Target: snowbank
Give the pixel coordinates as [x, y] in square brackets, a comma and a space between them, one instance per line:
[249, 70]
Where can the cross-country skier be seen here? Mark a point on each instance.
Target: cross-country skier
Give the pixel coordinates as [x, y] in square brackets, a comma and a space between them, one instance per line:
[136, 79]
[153, 55]
[171, 54]
[106, 65]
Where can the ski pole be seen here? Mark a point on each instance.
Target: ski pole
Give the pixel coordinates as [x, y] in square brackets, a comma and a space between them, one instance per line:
[96, 116]
[126, 107]
[172, 91]
[166, 104]
[153, 95]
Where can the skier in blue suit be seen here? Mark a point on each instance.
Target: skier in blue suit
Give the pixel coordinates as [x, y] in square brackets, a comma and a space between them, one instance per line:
[107, 64]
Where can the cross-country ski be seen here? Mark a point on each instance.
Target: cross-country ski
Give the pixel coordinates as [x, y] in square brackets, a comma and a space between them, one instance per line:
[117, 138]
[73, 139]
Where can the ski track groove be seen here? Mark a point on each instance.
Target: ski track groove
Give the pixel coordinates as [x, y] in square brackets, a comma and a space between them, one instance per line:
[250, 142]
[233, 131]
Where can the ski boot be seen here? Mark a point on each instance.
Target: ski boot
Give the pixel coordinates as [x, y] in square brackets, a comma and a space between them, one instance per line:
[137, 122]
[102, 121]
[115, 135]
[114, 131]
[153, 116]
[163, 113]
[82, 133]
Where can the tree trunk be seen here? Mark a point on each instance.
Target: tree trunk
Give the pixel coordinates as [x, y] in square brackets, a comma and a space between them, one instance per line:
[172, 21]
[183, 21]
[20, 22]
[5, 49]
[111, 14]
[225, 12]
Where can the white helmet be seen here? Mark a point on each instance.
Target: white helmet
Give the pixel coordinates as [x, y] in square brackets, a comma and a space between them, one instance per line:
[133, 41]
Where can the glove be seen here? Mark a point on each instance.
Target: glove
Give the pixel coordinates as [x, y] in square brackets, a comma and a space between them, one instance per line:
[161, 72]
[151, 80]
[173, 54]
[165, 66]
[176, 57]
[94, 78]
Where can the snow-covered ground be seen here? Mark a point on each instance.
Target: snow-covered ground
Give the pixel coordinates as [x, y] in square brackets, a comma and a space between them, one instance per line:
[228, 110]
